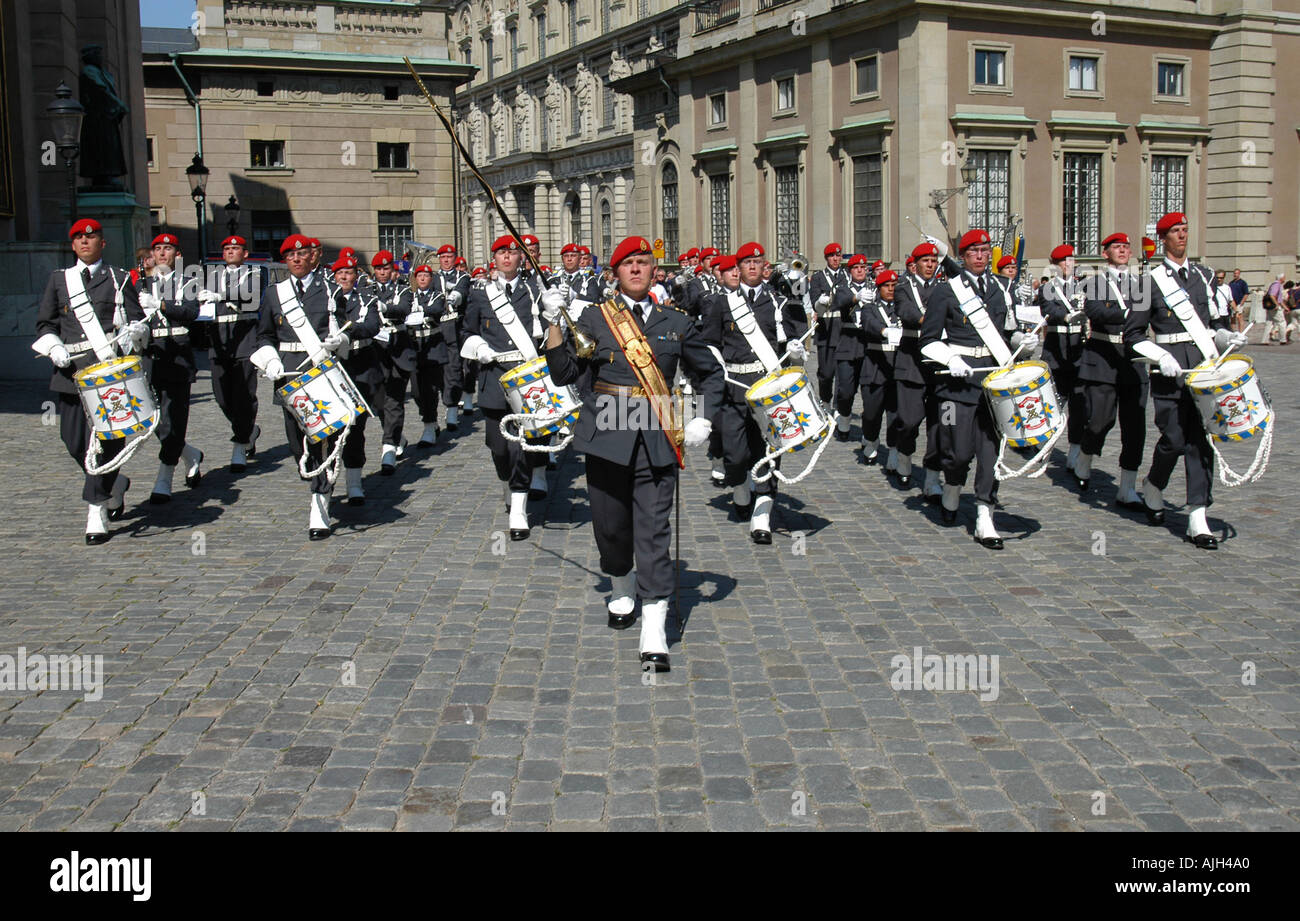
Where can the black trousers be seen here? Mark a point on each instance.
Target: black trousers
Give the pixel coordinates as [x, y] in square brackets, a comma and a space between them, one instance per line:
[877, 399]
[1065, 376]
[514, 465]
[234, 385]
[173, 417]
[317, 452]
[1182, 434]
[74, 429]
[1104, 403]
[911, 408]
[973, 435]
[468, 376]
[630, 508]
[354, 450]
[394, 411]
[827, 371]
[452, 376]
[427, 384]
[742, 442]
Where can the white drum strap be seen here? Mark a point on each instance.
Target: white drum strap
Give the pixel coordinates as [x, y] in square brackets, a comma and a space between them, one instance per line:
[969, 303]
[920, 303]
[85, 314]
[777, 307]
[745, 321]
[291, 307]
[1181, 306]
[508, 317]
[1114, 288]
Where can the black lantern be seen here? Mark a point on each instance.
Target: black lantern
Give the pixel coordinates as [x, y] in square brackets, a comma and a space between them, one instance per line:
[232, 216]
[197, 174]
[65, 115]
[968, 174]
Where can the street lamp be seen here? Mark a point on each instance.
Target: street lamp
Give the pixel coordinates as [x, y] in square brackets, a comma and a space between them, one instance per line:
[939, 197]
[232, 216]
[65, 115]
[197, 174]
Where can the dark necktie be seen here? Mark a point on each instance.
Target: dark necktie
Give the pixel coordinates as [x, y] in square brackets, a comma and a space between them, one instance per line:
[85, 277]
[981, 285]
[749, 298]
[1182, 273]
[301, 291]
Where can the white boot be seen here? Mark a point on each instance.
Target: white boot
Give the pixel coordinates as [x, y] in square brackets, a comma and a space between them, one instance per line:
[468, 403]
[388, 460]
[933, 488]
[869, 451]
[622, 596]
[985, 533]
[842, 425]
[162, 487]
[1082, 469]
[891, 462]
[1071, 456]
[1128, 494]
[951, 502]
[718, 471]
[519, 516]
[116, 505]
[401, 448]
[760, 527]
[654, 638]
[250, 446]
[453, 418]
[904, 466]
[1198, 529]
[1154, 499]
[429, 436]
[742, 495]
[537, 489]
[96, 524]
[318, 520]
[238, 458]
[192, 457]
[356, 495]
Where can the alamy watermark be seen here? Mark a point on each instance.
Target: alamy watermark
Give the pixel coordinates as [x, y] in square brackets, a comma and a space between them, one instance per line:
[946, 673]
[39, 672]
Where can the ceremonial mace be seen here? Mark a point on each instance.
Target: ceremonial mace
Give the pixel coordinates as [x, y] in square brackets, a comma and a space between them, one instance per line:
[582, 343]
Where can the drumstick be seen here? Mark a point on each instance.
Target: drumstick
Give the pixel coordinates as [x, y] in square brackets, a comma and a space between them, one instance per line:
[307, 360]
[1016, 354]
[1229, 349]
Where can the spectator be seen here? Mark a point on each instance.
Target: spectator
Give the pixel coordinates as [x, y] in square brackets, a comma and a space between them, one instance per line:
[1291, 306]
[1240, 291]
[143, 265]
[1275, 313]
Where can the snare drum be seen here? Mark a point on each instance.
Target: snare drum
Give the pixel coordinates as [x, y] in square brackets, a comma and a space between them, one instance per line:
[324, 400]
[1024, 403]
[1232, 403]
[531, 393]
[787, 410]
[117, 398]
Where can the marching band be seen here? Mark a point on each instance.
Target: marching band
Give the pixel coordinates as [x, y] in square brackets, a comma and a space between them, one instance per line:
[712, 355]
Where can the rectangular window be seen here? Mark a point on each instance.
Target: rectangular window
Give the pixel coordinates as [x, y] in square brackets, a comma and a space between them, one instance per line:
[394, 156]
[1083, 74]
[524, 208]
[988, 199]
[1168, 186]
[487, 53]
[266, 154]
[541, 36]
[1169, 79]
[787, 210]
[514, 48]
[866, 76]
[670, 209]
[868, 220]
[468, 48]
[785, 94]
[642, 9]
[720, 211]
[573, 23]
[607, 107]
[1081, 226]
[990, 68]
[269, 230]
[575, 112]
[148, 152]
[395, 228]
[718, 110]
[604, 21]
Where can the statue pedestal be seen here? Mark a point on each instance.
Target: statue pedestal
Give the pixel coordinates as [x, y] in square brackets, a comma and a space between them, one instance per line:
[126, 224]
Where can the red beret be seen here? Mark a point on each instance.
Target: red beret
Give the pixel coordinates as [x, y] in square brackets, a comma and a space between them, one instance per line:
[546, 270]
[886, 277]
[878, 264]
[85, 225]
[165, 238]
[344, 262]
[1006, 261]
[925, 249]
[462, 261]
[692, 253]
[1064, 251]
[724, 263]
[570, 248]
[833, 248]
[383, 257]
[347, 251]
[446, 250]
[857, 259]
[708, 253]
[234, 241]
[972, 238]
[422, 268]
[585, 250]
[1169, 221]
[1114, 238]
[530, 240]
[629, 247]
[748, 251]
[478, 271]
[295, 241]
[313, 242]
[504, 242]
[683, 257]
[910, 260]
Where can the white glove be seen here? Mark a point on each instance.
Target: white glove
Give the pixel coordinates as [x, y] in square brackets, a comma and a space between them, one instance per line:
[957, 367]
[59, 355]
[1225, 339]
[337, 343]
[207, 310]
[267, 360]
[1024, 292]
[942, 246]
[454, 298]
[698, 431]
[824, 300]
[415, 318]
[797, 350]
[485, 355]
[1026, 341]
[208, 297]
[274, 369]
[149, 304]
[1169, 366]
[134, 336]
[553, 302]
[894, 335]
[864, 297]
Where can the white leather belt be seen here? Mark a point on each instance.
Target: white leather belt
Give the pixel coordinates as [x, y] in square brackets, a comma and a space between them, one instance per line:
[1168, 338]
[291, 347]
[236, 318]
[972, 351]
[751, 368]
[880, 347]
[419, 332]
[911, 334]
[78, 347]
[1116, 338]
[1063, 329]
[449, 315]
[173, 331]
[503, 357]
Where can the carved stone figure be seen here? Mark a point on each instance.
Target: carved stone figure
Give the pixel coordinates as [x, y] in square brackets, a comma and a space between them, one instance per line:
[103, 159]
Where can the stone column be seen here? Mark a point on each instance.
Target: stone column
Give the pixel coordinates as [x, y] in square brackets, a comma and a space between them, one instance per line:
[922, 121]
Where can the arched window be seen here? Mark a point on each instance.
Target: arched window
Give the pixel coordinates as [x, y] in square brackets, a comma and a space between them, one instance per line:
[574, 208]
[669, 209]
[606, 231]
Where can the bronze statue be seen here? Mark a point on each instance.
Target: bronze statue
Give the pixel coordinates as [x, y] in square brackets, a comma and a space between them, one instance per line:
[102, 157]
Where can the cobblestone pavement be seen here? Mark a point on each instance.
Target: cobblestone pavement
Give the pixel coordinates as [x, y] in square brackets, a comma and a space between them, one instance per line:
[403, 675]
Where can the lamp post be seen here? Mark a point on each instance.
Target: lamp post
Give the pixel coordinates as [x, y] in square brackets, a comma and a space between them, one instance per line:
[232, 216]
[197, 174]
[65, 115]
[939, 197]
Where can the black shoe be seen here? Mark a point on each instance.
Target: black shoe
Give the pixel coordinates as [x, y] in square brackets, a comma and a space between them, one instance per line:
[93, 539]
[520, 533]
[990, 543]
[318, 533]
[1079, 481]
[251, 450]
[658, 661]
[425, 445]
[197, 478]
[452, 427]
[1154, 516]
[1203, 541]
[157, 498]
[743, 512]
[536, 495]
[761, 537]
[949, 517]
[238, 468]
[1132, 506]
[552, 463]
[621, 621]
[719, 479]
[115, 514]
[387, 469]
[842, 436]
[871, 461]
[354, 501]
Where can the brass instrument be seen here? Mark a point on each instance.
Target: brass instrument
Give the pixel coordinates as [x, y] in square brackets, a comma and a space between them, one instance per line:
[421, 253]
